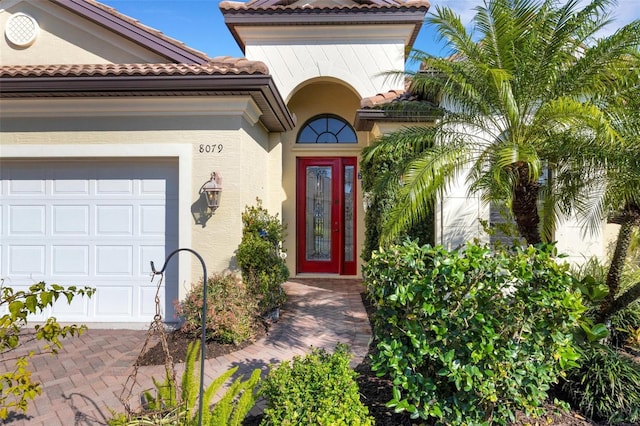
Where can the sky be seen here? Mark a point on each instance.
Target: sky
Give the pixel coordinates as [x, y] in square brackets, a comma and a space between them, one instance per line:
[199, 23]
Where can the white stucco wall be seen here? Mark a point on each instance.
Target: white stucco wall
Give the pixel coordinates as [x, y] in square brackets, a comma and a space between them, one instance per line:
[356, 55]
[579, 245]
[458, 215]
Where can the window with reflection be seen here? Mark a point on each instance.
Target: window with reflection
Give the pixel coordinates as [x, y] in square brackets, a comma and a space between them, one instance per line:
[327, 128]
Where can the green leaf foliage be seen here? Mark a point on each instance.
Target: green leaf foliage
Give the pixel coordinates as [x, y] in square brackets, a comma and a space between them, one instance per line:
[381, 181]
[317, 389]
[470, 336]
[16, 386]
[528, 85]
[261, 258]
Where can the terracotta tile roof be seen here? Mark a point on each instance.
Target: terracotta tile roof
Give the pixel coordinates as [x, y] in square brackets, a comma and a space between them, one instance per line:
[134, 30]
[382, 98]
[218, 65]
[321, 4]
[395, 105]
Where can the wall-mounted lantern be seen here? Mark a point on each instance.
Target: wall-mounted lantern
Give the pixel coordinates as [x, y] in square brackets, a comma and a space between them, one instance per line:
[213, 191]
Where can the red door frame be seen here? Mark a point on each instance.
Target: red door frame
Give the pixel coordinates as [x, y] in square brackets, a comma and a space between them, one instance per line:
[338, 264]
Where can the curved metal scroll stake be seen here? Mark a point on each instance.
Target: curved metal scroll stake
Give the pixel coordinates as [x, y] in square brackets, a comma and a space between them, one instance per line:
[204, 316]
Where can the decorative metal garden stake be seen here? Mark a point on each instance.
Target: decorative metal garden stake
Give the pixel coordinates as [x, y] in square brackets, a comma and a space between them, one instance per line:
[204, 317]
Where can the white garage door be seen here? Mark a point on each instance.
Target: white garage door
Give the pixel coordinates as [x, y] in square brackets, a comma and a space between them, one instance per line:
[91, 223]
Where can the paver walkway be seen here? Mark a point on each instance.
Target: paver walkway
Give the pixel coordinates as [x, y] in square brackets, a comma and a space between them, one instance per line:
[85, 380]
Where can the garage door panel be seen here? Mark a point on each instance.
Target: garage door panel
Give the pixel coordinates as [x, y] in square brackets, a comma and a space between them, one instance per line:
[150, 254]
[153, 187]
[114, 220]
[114, 301]
[27, 220]
[66, 187]
[149, 309]
[97, 224]
[63, 310]
[26, 186]
[26, 260]
[106, 186]
[114, 260]
[152, 220]
[70, 220]
[70, 261]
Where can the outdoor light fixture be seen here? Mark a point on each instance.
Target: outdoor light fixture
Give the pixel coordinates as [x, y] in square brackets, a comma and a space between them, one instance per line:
[212, 191]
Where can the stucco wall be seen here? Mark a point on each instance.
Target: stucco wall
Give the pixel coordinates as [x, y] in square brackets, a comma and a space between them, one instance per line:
[356, 55]
[239, 152]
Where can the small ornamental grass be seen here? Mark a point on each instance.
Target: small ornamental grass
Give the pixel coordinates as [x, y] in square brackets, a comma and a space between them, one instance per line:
[606, 387]
[470, 336]
[231, 310]
[318, 389]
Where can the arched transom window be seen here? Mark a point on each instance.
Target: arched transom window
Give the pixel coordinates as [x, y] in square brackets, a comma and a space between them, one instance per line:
[327, 128]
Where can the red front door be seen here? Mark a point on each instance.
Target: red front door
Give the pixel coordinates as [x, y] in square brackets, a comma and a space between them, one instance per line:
[326, 215]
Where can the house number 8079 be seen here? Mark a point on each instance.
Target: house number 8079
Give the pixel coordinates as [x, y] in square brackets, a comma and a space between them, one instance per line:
[214, 148]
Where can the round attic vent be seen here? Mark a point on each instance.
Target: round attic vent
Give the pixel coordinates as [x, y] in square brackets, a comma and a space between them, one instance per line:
[21, 30]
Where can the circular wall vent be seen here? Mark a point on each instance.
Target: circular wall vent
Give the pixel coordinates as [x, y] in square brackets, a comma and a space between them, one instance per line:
[21, 30]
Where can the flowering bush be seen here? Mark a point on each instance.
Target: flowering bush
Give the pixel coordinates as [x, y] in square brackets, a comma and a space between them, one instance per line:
[231, 309]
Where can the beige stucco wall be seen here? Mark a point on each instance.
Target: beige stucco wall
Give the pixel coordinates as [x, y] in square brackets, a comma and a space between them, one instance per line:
[152, 128]
[318, 97]
[64, 39]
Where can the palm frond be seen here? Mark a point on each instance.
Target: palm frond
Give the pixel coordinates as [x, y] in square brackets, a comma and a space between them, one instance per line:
[423, 178]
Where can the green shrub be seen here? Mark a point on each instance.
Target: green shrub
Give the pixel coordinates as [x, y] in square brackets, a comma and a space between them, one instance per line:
[318, 389]
[606, 387]
[231, 309]
[260, 257]
[166, 409]
[470, 336]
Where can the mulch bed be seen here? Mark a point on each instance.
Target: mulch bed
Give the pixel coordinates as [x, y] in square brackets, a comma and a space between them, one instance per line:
[178, 341]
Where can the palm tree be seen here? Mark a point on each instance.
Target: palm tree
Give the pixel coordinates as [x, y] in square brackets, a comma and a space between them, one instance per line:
[620, 202]
[517, 96]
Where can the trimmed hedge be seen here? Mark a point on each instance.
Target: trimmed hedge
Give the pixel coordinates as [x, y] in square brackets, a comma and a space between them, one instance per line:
[318, 389]
[470, 336]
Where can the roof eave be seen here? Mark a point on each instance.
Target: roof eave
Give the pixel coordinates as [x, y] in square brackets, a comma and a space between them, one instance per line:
[268, 17]
[276, 117]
